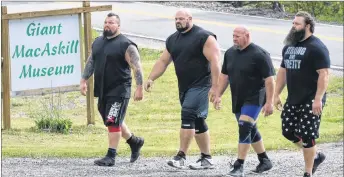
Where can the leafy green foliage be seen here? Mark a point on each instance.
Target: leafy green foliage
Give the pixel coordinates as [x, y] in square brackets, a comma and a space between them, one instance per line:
[48, 116]
[324, 11]
[321, 10]
[59, 125]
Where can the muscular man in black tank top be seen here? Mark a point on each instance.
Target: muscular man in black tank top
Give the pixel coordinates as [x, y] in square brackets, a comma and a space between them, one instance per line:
[195, 54]
[112, 58]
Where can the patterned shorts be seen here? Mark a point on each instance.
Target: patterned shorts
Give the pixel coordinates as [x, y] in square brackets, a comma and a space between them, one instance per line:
[113, 110]
[300, 120]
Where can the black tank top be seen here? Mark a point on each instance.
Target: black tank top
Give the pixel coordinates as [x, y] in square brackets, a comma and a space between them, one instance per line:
[191, 66]
[112, 74]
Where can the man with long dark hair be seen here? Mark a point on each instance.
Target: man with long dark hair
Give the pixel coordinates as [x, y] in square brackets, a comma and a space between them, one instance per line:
[305, 71]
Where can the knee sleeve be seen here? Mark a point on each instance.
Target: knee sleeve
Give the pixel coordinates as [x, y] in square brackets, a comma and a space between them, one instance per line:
[200, 126]
[188, 124]
[245, 129]
[308, 143]
[255, 135]
[291, 137]
[112, 129]
[188, 113]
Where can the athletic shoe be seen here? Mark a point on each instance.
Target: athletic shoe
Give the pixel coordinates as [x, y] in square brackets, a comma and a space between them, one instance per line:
[177, 162]
[105, 161]
[306, 174]
[318, 160]
[135, 146]
[264, 165]
[237, 169]
[202, 163]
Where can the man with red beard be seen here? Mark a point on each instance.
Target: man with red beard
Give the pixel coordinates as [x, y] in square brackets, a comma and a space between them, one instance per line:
[305, 70]
[111, 61]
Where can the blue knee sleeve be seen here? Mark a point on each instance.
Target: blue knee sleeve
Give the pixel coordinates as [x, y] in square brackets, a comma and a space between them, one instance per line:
[255, 135]
[200, 126]
[245, 129]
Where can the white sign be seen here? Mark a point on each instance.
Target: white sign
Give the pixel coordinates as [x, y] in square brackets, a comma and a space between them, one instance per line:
[44, 52]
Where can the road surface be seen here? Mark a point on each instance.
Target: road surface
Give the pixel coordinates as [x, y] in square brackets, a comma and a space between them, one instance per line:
[286, 164]
[158, 21]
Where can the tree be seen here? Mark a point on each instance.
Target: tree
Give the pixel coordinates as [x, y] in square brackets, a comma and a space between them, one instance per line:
[277, 6]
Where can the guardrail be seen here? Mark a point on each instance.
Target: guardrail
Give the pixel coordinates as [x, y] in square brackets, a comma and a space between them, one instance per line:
[275, 58]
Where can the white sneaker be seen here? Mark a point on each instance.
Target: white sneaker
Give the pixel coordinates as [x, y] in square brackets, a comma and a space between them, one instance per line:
[177, 162]
[202, 163]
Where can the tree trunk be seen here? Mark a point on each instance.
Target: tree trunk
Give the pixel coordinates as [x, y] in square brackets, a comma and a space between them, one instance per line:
[237, 4]
[277, 6]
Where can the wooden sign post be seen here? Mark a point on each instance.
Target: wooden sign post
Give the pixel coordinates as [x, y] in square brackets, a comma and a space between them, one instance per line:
[47, 51]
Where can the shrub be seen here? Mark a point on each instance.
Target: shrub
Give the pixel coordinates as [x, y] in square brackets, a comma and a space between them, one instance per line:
[49, 116]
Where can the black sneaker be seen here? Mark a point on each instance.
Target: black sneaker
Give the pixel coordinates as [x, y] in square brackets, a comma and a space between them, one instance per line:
[306, 174]
[237, 169]
[135, 146]
[264, 165]
[318, 160]
[105, 161]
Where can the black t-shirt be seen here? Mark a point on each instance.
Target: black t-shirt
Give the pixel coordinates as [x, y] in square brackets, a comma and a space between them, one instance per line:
[112, 74]
[246, 70]
[301, 62]
[191, 66]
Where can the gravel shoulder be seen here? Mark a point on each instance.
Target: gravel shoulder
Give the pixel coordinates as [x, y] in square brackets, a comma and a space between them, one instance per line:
[286, 163]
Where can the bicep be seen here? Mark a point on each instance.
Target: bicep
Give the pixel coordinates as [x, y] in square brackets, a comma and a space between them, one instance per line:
[281, 72]
[224, 65]
[223, 77]
[321, 59]
[211, 49]
[269, 80]
[324, 71]
[132, 55]
[166, 57]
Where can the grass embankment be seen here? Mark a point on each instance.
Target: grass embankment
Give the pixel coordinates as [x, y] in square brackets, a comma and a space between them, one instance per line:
[156, 118]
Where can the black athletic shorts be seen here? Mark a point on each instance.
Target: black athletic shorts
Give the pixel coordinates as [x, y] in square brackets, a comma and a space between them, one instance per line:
[195, 103]
[113, 109]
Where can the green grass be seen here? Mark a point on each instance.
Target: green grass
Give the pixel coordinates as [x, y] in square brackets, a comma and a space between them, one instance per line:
[156, 118]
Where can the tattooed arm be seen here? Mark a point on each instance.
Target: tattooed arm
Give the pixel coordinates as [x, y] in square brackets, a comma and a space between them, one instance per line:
[89, 68]
[132, 56]
[88, 71]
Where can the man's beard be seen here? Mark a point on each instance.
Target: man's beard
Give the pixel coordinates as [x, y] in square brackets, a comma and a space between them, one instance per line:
[236, 47]
[294, 36]
[181, 29]
[108, 33]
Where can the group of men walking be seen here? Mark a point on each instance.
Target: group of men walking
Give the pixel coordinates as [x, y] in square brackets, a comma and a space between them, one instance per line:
[248, 70]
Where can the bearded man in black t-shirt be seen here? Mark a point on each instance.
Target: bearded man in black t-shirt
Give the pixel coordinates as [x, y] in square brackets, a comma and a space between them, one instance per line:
[305, 70]
[195, 54]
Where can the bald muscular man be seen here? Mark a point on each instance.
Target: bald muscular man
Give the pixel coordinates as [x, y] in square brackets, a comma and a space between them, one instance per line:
[249, 71]
[195, 54]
